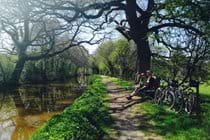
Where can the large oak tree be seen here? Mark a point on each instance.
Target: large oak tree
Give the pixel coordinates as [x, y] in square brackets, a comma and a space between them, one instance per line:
[143, 20]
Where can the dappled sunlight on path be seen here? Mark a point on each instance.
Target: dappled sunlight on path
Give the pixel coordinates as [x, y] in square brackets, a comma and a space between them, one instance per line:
[129, 121]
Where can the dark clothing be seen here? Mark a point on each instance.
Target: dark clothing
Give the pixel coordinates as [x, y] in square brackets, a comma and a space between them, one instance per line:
[151, 83]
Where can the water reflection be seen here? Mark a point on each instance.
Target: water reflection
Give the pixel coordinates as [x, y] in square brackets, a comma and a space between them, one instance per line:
[27, 108]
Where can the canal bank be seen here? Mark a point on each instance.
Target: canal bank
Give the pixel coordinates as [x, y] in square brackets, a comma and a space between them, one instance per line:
[87, 118]
[27, 108]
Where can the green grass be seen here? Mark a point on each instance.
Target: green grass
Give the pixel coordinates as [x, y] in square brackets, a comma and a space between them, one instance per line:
[123, 83]
[86, 119]
[174, 126]
[205, 88]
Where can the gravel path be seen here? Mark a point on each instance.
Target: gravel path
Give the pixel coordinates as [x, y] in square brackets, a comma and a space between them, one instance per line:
[129, 119]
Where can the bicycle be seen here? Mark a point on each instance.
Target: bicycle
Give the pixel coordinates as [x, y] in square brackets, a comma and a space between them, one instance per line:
[165, 94]
[190, 101]
[185, 98]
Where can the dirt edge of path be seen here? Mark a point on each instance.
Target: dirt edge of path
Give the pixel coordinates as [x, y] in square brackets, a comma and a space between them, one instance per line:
[129, 119]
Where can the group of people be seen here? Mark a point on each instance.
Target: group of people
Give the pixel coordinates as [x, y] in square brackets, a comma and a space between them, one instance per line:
[143, 82]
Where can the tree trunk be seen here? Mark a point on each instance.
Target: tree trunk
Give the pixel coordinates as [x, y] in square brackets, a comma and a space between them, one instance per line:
[143, 55]
[3, 73]
[17, 71]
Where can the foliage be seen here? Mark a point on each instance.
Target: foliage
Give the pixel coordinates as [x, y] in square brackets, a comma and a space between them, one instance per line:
[86, 118]
[123, 58]
[205, 88]
[103, 60]
[116, 58]
[7, 66]
[59, 67]
[179, 65]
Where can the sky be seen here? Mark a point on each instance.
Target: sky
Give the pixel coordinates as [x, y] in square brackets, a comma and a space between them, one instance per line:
[113, 35]
[91, 48]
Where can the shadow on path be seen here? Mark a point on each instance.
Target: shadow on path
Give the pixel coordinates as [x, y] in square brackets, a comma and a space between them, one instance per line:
[129, 123]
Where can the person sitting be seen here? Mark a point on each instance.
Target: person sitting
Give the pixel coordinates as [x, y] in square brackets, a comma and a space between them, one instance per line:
[139, 79]
[139, 83]
[150, 84]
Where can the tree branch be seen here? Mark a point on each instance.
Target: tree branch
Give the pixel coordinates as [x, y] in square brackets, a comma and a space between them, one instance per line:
[179, 25]
[151, 4]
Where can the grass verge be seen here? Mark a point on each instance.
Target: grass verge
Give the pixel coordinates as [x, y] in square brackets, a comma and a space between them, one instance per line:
[171, 125]
[174, 126]
[86, 119]
[123, 83]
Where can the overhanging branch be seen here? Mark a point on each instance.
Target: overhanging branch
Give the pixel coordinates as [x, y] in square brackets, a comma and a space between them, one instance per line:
[178, 25]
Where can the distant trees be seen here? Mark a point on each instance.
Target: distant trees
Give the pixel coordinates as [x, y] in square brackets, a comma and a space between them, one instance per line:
[60, 67]
[184, 62]
[116, 58]
[6, 67]
[103, 58]
[32, 35]
[124, 58]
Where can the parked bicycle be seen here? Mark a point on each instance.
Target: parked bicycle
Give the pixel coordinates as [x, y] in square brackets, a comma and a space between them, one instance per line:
[187, 97]
[166, 94]
[182, 98]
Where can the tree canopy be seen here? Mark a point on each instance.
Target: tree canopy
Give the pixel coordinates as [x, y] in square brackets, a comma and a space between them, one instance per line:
[44, 28]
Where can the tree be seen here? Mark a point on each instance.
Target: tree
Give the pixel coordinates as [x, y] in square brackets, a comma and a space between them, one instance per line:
[6, 67]
[143, 20]
[123, 58]
[116, 58]
[60, 67]
[32, 35]
[103, 58]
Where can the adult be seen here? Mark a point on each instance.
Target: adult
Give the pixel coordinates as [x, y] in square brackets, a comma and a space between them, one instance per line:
[150, 84]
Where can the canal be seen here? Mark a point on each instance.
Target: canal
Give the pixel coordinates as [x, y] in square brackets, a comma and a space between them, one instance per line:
[27, 108]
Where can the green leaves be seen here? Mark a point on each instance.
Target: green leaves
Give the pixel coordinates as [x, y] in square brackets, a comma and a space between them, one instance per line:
[83, 120]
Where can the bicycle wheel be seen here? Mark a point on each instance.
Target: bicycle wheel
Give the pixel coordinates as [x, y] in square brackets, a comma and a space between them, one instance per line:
[158, 94]
[190, 103]
[179, 100]
[170, 99]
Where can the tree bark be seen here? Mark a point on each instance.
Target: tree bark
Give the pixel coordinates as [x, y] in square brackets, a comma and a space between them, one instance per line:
[143, 55]
[139, 30]
[17, 72]
[3, 73]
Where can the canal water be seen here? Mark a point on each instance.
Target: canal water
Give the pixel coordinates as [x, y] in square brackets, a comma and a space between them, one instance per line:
[24, 110]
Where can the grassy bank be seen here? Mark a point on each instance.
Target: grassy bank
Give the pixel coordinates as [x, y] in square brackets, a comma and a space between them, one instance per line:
[85, 119]
[123, 83]
[174, 126]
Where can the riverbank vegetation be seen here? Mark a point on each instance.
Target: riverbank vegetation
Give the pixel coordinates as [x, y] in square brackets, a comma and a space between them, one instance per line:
[59, 68]
[87, 118]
